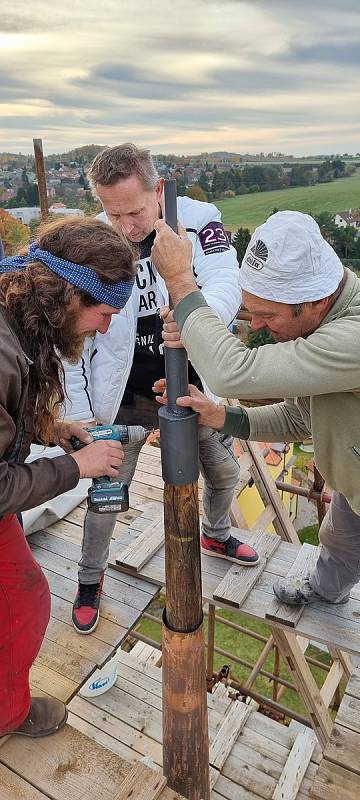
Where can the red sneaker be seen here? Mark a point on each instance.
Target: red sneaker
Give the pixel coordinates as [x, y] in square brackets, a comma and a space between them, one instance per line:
[85, 613]
[232, 549]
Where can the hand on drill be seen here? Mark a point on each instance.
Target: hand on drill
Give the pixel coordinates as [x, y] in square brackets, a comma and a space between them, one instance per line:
[100, 458]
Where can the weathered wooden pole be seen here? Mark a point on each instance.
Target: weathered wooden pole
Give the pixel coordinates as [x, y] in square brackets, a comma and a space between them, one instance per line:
[185, 722]
[41, 177]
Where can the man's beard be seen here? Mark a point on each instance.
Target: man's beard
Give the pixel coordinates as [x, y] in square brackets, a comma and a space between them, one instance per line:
[68, 342]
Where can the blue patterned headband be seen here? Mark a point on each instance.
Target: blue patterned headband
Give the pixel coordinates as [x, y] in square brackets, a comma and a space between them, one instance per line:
[112, 294]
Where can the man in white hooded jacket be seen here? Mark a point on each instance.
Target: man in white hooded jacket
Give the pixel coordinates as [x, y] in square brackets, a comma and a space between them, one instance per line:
[114, 381]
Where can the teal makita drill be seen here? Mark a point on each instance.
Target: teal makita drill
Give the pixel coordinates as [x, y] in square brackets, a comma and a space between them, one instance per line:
[106, 495]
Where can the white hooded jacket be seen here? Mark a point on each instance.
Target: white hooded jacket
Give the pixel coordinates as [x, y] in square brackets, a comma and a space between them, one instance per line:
[96, 384]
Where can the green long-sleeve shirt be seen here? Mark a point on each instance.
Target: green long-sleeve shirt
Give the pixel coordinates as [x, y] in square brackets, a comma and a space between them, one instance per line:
[319, 376]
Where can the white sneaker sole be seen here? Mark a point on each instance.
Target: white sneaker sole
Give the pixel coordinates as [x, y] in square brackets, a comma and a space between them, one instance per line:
[229, 558]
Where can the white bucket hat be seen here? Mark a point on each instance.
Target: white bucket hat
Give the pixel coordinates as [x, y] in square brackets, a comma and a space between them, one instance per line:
[288, 260]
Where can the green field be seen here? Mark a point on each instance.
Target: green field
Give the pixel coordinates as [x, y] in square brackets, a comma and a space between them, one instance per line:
[250, 210]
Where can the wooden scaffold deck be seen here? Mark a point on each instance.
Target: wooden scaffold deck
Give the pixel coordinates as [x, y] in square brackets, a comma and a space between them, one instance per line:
[252, 757]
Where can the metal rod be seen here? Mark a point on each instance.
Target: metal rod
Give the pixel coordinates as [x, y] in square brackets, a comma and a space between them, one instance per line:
[41, 177]
[286, 712]
[311, 494]
[244, 663]
[318, 486]
[240, 629]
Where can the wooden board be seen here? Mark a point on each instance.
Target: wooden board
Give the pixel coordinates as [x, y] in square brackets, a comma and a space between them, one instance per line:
[226, 736]
[141, 783]
[67, 659]
[349, 713]
[238, 582]
[353, 687]
[296, 766]
[302, 566]
[143, 547]
[335, 783]
[344, 749]
[68, 766]
[13, 787]
[332, 625]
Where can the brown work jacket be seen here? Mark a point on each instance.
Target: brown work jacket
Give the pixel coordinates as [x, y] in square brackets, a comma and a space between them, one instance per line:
[23, 486]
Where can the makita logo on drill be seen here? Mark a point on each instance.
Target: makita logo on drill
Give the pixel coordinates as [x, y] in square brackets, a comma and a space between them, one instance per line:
[257, 255]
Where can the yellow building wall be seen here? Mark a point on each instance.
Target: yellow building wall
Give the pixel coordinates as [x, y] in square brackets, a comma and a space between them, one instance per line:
[251, 503]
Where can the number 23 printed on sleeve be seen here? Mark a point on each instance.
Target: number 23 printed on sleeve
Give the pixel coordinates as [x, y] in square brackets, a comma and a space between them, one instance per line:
[213, 238]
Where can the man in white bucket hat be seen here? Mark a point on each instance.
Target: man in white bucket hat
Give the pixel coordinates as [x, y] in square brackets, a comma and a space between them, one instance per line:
[295, 286]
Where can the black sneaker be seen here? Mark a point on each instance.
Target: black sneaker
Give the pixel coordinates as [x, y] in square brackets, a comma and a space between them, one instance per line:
[85, 613]
[232, 549]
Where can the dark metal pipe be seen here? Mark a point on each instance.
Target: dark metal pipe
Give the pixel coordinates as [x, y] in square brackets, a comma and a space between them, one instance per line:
[179, 435]
[311, 494]
[286, 712]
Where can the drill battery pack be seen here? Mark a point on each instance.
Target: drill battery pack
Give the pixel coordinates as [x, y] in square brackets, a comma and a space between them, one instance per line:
[105, 496]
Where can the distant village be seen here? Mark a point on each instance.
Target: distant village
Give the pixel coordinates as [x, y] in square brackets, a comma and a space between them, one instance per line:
[208, 176]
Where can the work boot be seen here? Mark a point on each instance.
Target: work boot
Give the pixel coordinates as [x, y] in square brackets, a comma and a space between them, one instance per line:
[85, 613]
[232, 549]
[297, 592]
[46, 716]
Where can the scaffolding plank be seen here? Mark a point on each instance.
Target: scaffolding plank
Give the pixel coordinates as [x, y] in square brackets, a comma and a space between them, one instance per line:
[13, 787]
[296, 766]
[143, 547]
[109, 730]
[302, 566]
[238, 581]
[70, 766]
[343, 749]
[353, 687]
[222, 745]
[142, 783]
[349, 713]
[333, 782]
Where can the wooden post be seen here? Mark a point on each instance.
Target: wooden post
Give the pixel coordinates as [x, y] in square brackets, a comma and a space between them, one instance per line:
[185, 722]
[276, 672]
[210, 647]
[41, 178]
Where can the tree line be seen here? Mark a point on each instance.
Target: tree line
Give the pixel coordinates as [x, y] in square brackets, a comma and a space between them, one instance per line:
[263, 178]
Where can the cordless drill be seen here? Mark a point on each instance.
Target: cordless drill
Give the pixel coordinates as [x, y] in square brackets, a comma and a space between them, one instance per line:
[106, 495]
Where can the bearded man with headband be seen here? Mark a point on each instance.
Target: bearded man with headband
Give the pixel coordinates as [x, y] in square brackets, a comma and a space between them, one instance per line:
[71, 281]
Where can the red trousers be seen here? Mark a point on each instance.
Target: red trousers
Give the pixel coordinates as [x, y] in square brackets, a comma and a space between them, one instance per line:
[24, 615]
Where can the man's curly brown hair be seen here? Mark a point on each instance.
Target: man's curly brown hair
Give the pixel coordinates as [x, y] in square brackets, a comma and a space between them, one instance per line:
[39, 301]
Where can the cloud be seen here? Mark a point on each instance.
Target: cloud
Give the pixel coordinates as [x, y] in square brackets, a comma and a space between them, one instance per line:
[133, 82]
[205, 76]
[342, 54]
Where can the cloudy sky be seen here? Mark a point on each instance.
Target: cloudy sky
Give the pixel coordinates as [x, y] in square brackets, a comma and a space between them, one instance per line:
[181, 76]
